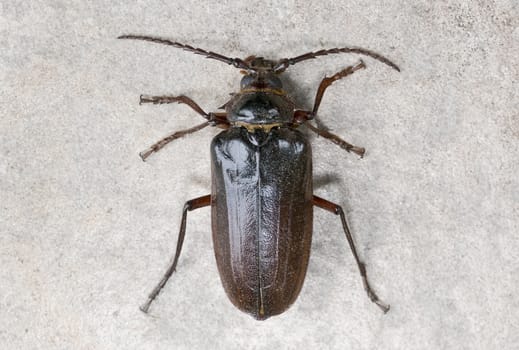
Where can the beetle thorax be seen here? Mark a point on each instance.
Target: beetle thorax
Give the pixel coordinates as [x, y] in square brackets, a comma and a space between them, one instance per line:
[261, 101]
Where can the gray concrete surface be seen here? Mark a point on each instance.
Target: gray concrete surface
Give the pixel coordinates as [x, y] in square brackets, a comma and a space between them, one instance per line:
[87, 229]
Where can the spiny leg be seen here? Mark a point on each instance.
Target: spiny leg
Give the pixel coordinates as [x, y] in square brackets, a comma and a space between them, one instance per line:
[171, 99]
[337, 140]
[175, 135]
[327, 81]
[212, 119]
[337, 210]
[303, 116]
[190, 205]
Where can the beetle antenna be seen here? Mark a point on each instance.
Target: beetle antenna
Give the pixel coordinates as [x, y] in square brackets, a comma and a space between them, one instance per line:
[236, 62]
[286, 62]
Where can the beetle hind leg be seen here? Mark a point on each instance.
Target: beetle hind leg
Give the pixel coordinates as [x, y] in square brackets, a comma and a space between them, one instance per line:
[190, 205]
[337, 210]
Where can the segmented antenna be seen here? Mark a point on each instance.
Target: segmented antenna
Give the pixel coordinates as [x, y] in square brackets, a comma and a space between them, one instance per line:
[236, 62]
[280, 66]
[286, 62]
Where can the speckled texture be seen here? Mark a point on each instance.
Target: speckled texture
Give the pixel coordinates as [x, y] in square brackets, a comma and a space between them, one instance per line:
[87, 229]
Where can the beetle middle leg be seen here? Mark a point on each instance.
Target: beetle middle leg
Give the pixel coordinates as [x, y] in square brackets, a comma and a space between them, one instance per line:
[190, 205]
[337, 210]
[175, 135]
[337, 140]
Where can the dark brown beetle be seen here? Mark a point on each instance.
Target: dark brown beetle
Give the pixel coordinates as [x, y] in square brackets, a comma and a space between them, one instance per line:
[262, 199]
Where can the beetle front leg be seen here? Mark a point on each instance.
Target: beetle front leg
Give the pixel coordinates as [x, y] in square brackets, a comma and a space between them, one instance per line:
[302, 117]
[171, 99]
[190, 205]
[337, 210]
[327, 81]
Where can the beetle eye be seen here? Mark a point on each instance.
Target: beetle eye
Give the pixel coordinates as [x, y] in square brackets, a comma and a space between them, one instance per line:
[274, 82]
[246, 81]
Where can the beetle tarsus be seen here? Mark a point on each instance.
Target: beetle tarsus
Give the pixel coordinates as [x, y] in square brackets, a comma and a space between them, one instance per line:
[146, 306]
[371, 294]
[384, 307]
[145, 154]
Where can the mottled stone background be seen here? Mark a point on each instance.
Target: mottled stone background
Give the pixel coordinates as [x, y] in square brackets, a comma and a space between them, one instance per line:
[87, 229]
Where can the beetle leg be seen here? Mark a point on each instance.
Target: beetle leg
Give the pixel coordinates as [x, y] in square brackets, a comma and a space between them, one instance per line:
[171, 99]
[192, 204]
[301, 116]
[175, 135]
[337, 210]
[337, 140]
[213, 119]
[327, 81]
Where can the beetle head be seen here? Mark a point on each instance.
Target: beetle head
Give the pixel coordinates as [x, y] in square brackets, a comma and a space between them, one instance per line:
[260, 75]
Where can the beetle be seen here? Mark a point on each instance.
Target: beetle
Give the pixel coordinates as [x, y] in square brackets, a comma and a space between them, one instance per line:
[261, 168]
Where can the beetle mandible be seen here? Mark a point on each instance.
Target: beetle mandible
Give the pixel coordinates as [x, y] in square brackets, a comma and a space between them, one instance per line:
[262, 198]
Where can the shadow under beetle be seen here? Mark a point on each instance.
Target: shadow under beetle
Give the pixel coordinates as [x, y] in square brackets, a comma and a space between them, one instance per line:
[261, 199]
